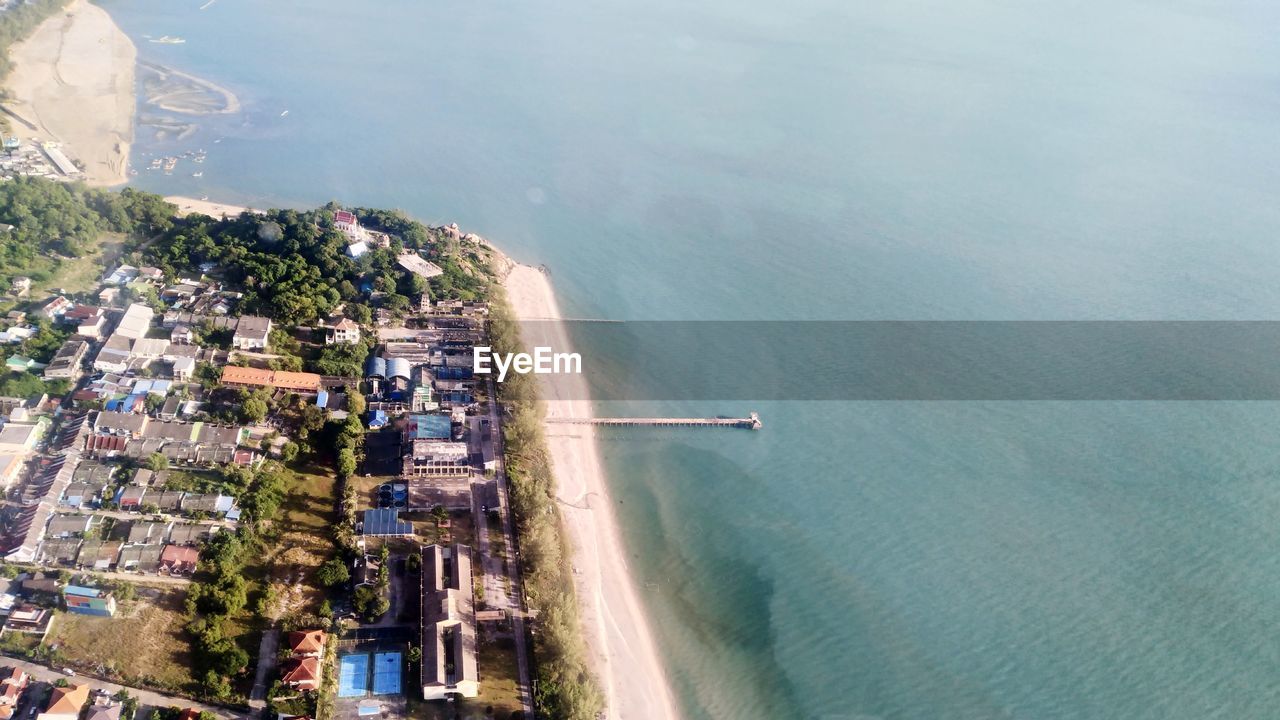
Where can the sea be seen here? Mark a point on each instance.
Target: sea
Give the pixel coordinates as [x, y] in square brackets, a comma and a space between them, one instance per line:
[844, 160]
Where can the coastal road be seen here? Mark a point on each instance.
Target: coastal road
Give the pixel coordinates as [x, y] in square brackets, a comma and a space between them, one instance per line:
[145, 697]
[513, 567]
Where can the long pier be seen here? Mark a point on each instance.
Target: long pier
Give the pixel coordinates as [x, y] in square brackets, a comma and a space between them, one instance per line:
[750, 423]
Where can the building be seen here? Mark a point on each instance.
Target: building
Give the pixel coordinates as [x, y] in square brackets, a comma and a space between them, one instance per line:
[136, 321]
[20, 438]
[65, 703]
[21, 285]
[13, 681]
[285, 380]
[182, 335]
[416, 264]
[385, 522]
[104, 708]
[348, 225]
[433, 458]
[68, 362]
[29, 619]
[89, 601]
[55, 307]
[307, 643]
[252, 333]
[302, 673]
[345, 332]
[88, 320]
[178, 560]
[448, 630]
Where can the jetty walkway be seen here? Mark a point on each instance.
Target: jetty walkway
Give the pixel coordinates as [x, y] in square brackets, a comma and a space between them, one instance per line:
[751, 422]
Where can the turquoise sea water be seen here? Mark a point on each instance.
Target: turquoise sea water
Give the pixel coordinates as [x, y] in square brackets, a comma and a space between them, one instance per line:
[928, 159]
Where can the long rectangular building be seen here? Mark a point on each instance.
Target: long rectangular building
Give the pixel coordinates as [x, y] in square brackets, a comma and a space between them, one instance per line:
[448, 624]
[257, 377]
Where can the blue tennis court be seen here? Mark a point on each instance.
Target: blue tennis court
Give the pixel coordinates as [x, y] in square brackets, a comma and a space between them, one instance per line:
[386, 673]
[353, 675]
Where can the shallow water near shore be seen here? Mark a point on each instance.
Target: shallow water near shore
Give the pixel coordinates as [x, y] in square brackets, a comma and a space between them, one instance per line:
[845, 160]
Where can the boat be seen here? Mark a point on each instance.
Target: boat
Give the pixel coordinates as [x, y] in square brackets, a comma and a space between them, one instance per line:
[168, 40]
[286, 112]
[197, 174]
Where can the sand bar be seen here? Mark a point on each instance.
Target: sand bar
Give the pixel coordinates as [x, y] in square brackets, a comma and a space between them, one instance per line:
[73, 79]
[617, 631]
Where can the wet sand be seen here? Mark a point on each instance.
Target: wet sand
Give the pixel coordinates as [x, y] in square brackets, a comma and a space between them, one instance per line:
[74, 80]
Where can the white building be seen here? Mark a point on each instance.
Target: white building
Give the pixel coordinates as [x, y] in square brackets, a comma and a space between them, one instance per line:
[345, 332]
[136, 321]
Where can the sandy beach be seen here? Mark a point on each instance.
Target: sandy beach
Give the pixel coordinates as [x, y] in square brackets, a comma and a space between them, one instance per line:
[73, 79]
[617, 631]
[187, 205]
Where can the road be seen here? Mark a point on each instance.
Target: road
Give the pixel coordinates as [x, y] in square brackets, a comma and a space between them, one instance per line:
[267, 652]
[513, 567]
[145, 697]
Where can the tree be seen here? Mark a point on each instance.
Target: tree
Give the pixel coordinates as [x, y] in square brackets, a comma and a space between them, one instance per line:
[157, 462]
[440, 514]
[415, 654]
[289, 451]
[254, 410]
[333, 572]
[346, 462]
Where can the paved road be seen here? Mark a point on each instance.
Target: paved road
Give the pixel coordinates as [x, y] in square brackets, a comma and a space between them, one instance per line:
[145, 697]
[513, 567]
[267, 652]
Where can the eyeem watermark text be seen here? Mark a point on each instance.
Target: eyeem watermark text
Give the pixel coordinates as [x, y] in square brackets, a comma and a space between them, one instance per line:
[541, 362]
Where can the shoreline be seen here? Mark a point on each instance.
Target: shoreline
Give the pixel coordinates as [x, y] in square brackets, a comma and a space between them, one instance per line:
[619, 638]
[187, 205]
[73, 78]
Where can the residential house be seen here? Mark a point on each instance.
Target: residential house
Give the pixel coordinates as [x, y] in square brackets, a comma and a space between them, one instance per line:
[99, 554]
[179, 560]
[88, 320]
[30, 619]
[252, 333]
[55, 308]
[140, 558]
[207, 503]
[13, 681]
[448, 631]
[131, 498]
[302, 673]
[104, 708]
[20, 438]
[307, 643]
[66, 702]
[64, 526]
[117, 423]
[68, 363]
[182, 335]
[344, 332]
[89, 601]
[115, 354]
[191, 533]
[148, 533]
[60, 551]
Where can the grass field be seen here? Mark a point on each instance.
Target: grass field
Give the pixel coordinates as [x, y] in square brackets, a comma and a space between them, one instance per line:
[304, 540]
[145, 641]
[78, 274]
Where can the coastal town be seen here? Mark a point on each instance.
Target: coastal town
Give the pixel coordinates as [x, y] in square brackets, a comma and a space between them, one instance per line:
[165, 415]
[242, 435]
